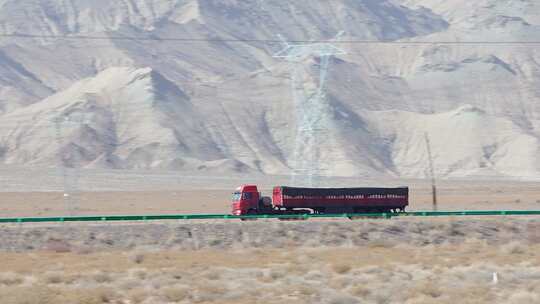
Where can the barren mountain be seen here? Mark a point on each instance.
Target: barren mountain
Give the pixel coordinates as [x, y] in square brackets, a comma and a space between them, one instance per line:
[115, 84]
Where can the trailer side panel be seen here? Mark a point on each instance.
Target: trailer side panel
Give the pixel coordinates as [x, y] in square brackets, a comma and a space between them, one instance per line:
[341, 198]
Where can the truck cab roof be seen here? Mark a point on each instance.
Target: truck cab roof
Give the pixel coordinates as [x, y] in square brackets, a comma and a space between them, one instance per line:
[247, 188]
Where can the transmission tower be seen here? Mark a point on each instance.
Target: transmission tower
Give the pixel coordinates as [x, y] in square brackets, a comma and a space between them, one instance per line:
[311, 108]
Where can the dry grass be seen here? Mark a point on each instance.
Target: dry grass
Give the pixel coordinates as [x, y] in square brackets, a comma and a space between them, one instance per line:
[397, 261]
[403, 274]
[45, 295]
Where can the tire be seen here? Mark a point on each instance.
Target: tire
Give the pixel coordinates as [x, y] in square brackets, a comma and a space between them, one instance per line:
[250, 212]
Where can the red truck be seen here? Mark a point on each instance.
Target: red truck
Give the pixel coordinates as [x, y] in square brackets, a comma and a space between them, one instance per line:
[247, 200]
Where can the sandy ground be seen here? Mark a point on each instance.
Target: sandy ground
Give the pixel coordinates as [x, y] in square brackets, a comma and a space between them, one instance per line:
[40, 192]
[13, 204]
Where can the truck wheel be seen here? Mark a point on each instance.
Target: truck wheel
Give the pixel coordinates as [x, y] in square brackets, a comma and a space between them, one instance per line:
[250, 212]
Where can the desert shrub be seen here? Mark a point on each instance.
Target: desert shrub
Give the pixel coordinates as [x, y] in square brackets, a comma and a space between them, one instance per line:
[521, 297]
[176, 293]
[314, 275]
[342, 299]
[533, 287]
[455, 229]
[513, 248]
[141, 274]
[178, 274]
[296, 268]
[382, 297]
[57, 277]
[57, 245]
[215, 242]
[306, 290]
[54, 278]
[276, 274]
[429, 289]
[127, 284]
[341, 268]
[102, 277]
[471, 291]
[137, 258]
[263, 278]
[10, 278]
[137, 296]
[339, 283]
[360, 291]
[209, 292]
[380, 243]
[212, 274]
[423, 299]
[83, 250]
[86, 296]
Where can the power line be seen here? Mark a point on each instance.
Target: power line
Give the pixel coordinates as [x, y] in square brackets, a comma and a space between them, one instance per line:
[195, 40]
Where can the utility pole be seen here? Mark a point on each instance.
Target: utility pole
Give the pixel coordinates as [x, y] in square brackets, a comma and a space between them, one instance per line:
[431, 172]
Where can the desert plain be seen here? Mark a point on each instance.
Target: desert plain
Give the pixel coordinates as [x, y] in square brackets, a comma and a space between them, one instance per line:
[400, 260]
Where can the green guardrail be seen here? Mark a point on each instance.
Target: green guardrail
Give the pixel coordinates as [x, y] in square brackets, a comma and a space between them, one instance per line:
[113, 218]
[470, 213]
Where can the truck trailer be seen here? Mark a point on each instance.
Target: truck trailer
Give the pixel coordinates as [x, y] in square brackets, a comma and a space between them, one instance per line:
[247, 200]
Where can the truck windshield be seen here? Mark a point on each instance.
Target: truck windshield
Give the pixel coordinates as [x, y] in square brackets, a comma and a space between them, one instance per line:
[239, 195]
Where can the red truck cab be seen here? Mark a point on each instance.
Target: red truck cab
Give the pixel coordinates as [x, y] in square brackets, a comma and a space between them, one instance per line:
[245, 200]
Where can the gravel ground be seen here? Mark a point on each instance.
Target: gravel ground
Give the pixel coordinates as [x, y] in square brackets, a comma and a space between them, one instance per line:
[267, 233]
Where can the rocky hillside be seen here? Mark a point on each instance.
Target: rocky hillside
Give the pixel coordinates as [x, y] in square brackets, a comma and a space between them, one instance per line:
[141, 96]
